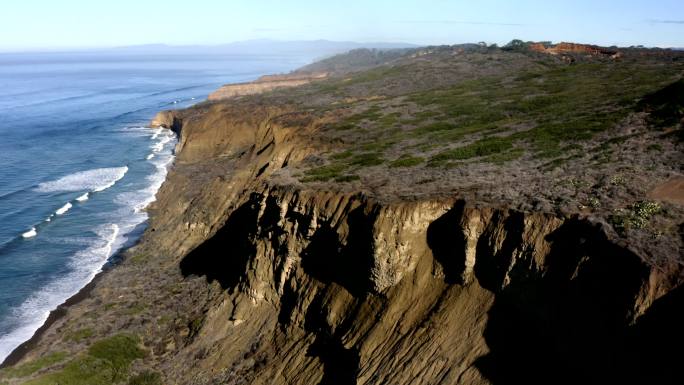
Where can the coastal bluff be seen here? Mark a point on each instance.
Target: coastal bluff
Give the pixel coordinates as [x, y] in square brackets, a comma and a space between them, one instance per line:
[451, 215]
[264, 84]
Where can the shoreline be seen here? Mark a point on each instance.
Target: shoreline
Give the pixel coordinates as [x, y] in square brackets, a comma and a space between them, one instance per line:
[60, 311]
[20, 351]
[112, 262]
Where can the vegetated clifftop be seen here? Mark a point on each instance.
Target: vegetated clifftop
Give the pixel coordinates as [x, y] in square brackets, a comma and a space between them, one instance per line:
[355, 60]
[265, 84]
[424, 222]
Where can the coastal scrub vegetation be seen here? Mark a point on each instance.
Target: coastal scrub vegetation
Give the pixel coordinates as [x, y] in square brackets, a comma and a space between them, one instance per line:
[105, 362]
[637, 216]
[532, 107]
[31, 367]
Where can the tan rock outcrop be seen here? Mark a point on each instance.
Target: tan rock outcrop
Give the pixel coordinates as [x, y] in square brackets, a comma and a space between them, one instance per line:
[264, 84]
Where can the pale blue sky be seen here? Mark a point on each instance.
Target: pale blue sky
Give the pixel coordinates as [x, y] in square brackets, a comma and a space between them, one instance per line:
[56, 24]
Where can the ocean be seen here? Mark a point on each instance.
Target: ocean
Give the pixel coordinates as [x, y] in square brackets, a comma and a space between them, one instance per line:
[78, 164]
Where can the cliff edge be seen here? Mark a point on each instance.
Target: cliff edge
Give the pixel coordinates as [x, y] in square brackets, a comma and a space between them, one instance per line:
[265, 84]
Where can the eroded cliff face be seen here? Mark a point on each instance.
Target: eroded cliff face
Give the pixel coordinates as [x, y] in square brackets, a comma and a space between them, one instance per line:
[323, 288]
[320, 287]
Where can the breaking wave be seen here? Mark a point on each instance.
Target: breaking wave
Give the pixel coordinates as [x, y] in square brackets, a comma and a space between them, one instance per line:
[95, 180]
[30, 234]
[62, 210]
[84, 265]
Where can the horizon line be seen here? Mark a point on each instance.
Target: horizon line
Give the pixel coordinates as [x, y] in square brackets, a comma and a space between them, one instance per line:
[84, 49]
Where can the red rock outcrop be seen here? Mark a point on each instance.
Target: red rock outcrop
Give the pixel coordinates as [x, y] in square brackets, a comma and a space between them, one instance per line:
[563, 48]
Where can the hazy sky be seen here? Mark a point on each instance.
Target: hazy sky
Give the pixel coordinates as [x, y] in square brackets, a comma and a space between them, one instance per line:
[54, 24]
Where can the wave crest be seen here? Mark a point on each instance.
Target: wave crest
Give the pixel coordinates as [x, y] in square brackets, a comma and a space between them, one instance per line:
[30, 234]
[95, 180]
[62, 210]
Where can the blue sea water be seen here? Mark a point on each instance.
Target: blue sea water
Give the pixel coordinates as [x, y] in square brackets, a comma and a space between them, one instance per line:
[78, 165]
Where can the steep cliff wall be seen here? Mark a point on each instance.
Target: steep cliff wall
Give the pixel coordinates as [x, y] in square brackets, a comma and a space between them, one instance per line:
[327, 288]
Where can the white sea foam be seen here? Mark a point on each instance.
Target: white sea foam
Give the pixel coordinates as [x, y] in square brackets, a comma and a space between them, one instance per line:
[95, 180]
[84, 265]
[121, 172]
[156, 133]
[30, 234]
[140, 199]
[62, 210]
[83, 197]
[159, 146]
[149, 157]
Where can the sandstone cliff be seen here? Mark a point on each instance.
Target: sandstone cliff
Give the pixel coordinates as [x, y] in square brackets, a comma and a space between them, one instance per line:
[309, 287]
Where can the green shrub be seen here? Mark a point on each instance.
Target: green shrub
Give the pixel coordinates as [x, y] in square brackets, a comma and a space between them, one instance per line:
[594, 202]
[347, 178]
[366, 160]
[324, 173]
[106, 362]
[407, 161]
[617, 180]
[636, 217]
[435, 127]
[119, 350]
[644, 210]
[85, 370]
[33, 366]
[482, 147]
[503, 157]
